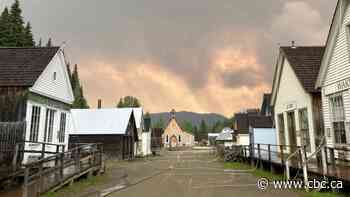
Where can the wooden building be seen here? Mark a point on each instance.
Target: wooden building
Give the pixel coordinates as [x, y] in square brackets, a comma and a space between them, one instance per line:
[143, 146]
[334, 80]
[241, 125]
[296, 103]
[114, 128]
[174, 136]
[35, 90]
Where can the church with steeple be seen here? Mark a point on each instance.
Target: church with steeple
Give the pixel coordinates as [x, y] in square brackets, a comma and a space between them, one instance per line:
[174, 136]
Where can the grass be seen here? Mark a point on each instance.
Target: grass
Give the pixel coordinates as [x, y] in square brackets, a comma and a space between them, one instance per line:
[272, 176]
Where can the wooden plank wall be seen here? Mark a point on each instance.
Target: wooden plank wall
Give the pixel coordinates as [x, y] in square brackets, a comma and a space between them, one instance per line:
[11, 133]
[12, 104]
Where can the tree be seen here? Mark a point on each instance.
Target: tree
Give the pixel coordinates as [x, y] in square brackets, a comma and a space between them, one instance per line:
[128, 101]
[203, 128]
[13, 33]
[5, 30]
[217, 126]
[148, 121]
[49, 43]
[28, 36]
[16, 25]
[187, 126]
[159, 123]
[79, 99]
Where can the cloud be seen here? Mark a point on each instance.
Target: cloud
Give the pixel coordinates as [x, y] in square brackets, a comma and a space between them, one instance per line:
[199, 55]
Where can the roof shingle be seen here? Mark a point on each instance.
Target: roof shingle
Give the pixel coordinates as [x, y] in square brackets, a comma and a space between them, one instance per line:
[23, 66]
[306, 62]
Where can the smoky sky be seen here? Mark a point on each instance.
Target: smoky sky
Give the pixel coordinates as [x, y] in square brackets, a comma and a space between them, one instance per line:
[192, 41]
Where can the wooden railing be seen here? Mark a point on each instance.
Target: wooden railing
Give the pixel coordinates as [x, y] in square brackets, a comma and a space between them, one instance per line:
[52, 172]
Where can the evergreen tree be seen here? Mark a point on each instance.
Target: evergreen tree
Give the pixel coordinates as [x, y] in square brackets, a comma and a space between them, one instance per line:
[17, 38]
[79, 99]
[128, 101]
[49, 43]
[160, 123]
[187, 126]
[28, 36]
[5, 30]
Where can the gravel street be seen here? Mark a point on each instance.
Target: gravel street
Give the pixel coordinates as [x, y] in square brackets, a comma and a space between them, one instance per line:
[188, 173]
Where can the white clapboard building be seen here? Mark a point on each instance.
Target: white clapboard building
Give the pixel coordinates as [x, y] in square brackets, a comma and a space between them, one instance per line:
[296, 103]
[334, 79]
[41, 73]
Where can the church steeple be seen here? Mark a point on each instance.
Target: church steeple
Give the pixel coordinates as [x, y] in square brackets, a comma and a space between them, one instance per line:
[172, 114]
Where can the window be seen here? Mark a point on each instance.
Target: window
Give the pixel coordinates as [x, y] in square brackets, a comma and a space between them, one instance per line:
[304, 129]
[62, 131]
[49, 122]
[179, 138]
[167, 138]
[281, 129]
[338, 118]
[54, 77]
[34, 124]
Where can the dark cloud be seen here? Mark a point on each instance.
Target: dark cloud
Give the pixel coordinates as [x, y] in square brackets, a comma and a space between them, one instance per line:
[181, 36]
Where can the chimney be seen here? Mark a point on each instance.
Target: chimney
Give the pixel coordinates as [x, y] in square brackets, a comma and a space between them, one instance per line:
[99, 104]
[293, 45]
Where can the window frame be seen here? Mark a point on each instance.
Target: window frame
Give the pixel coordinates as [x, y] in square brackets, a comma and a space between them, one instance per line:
[337, 118]
[35, 123]
[306, 140]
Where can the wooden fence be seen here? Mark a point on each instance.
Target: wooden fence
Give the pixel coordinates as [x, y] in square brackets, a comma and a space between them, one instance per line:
[11, 133]
[51, 173]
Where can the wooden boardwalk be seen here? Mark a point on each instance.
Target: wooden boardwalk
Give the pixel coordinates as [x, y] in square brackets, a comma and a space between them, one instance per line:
[53, 172]
[271, 155]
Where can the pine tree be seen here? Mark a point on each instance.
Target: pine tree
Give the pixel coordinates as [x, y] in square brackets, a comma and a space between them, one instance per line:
[17, 38]
[79, 99]
[128, 101]
[49, 43]
[28, 36]
[5, 30]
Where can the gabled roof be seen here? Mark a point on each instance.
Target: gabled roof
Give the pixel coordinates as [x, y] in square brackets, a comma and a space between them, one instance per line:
[306, 62]
[138, 114]
[100, 121]
[22, 66]
[227, 136]
[261, 122]
[337, 20]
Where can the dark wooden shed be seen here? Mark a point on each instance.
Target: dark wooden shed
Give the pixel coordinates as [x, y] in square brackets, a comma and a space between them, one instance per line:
[114, 128]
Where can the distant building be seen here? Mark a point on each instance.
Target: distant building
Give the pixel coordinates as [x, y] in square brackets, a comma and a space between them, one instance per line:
[225, 137]
[39, 77]
[211, 138]
[115, 128]
[174, 136]
[241, 125]
[296, 102]
[143, 146]
[261, 130]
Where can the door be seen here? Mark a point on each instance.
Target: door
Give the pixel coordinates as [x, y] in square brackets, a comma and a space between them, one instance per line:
[291, 130]
[173, 141]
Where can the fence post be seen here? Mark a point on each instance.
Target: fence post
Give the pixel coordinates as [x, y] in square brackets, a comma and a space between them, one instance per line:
[15, 157]
[269, 157]
[251, 152]
[26, 182]
[282, 154]
[332, 157]
[324, 161]
[304, 162]
[43, 146]
[61, 166]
